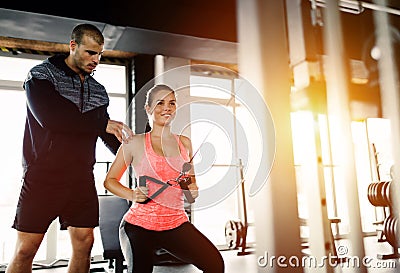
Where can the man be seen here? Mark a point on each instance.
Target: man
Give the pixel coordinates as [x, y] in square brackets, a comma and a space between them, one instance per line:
[66, 113]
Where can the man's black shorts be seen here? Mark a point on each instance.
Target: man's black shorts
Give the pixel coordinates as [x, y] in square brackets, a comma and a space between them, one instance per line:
[44, 198]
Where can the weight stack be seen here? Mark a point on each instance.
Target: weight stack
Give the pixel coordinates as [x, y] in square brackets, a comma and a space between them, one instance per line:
[379, 195]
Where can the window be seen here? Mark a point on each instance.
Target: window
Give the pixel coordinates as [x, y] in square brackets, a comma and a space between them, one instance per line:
[306, 152]
[214, 120]
[12, 115]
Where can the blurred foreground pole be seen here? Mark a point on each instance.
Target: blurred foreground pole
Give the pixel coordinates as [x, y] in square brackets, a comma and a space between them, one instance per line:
[389, 89]
[264, 61]
[337, 79]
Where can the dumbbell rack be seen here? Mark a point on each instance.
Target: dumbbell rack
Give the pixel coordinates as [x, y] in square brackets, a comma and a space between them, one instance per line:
[379, 196]
[390, 227]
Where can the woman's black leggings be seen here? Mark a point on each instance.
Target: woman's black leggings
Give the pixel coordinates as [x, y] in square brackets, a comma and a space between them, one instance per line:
[185, 242]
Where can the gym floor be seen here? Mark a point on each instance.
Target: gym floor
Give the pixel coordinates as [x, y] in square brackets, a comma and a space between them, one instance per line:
[248, 263]
[233, 263]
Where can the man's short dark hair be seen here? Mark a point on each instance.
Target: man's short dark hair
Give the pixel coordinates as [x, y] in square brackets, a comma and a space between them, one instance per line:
[87, 29]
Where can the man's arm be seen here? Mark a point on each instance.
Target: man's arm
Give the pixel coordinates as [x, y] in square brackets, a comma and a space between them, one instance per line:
[115, 133]
[110, 141]
[56, 113]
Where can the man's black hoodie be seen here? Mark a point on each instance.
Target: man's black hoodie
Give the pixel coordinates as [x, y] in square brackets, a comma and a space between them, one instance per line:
[64, 119]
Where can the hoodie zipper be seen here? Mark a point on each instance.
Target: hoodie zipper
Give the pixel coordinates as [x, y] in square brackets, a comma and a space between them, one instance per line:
[82, 97]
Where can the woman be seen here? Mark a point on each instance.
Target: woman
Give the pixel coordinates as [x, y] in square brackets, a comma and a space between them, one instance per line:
[157, 218]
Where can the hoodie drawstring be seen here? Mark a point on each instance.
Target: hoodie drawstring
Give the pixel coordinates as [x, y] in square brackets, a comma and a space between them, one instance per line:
[81, 101]
[88, 87]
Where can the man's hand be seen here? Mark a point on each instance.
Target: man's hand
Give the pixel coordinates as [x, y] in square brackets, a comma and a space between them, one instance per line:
[119, 129]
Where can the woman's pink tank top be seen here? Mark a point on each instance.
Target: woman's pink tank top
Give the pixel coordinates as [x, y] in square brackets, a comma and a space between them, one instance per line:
[166, 210]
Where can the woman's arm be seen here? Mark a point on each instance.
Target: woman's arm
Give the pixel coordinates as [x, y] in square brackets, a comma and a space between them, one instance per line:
[194, 189]
[119, 166]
